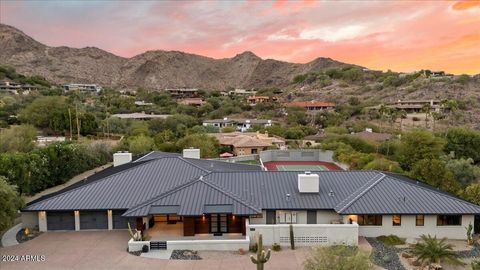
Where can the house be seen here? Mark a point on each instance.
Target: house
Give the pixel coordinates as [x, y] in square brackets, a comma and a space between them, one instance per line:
[253, 100]
[140, 116]
[197, 102]
[142, 103]
[13, 87]
[207, 204]
[312, 106]
[248, 143]
[241, 125]
[46, 140]
[183, 92]
[82, 87]
[242, 92]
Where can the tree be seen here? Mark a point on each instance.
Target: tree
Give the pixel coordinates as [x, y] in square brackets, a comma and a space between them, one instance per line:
[471, 193]
[464, 142]
[417, 145]
[383, 164]
[432, 250]
[464, 171]
[140, 144]
[337, 258]
[18, 139]
[296, 116]
[208, 145]
[10, 202]
[435, 173]
[402, 114]
[426, 108]
[47, 112]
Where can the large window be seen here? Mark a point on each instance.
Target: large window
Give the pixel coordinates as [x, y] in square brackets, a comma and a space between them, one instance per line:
[397, 220]
[287, 217]
[449, 220]
[369, 220]
[419, 220]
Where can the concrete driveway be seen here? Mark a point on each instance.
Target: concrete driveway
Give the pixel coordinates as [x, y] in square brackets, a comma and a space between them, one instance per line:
[107, 250]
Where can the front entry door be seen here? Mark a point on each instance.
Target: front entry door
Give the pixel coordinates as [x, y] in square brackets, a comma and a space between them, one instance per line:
[218, 223]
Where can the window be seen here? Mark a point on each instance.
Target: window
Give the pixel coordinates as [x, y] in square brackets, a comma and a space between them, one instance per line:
[396, 220]
[449, 220]
[370, 220]
[419, 220]
[286, 217]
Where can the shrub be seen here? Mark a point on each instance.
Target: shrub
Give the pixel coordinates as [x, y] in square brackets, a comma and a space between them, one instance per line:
[432, 250]
[337, 258]
[276, 247]
[253, 248]
[391, 240]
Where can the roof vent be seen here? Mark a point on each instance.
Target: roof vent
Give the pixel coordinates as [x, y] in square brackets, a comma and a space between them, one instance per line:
[331, 193]
[288, 197]
[191, 153]
[308, 183]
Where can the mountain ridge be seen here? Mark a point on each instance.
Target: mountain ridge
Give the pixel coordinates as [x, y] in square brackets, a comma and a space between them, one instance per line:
[155, 69]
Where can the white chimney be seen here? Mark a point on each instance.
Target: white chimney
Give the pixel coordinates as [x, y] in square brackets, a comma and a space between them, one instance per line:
[308, 183]
[191, 153]
[121, 158]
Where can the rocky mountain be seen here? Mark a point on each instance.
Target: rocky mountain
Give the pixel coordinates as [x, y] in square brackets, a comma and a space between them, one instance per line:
[154, 70]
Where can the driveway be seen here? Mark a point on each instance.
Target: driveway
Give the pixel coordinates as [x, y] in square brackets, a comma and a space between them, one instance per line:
[107, 250]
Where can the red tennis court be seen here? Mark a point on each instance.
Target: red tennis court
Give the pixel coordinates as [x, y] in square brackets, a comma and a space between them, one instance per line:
[301, 166]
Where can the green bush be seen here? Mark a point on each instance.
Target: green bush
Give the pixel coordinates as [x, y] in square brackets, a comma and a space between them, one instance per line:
[391, 240]
[276, 247]
[337, 258]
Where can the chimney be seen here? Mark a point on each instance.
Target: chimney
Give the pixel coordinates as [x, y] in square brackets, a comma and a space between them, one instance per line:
[308, 183]
[121, 158]
[191, 153]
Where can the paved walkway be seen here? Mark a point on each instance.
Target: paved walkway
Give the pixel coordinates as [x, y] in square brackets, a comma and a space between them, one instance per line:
[9, 238]
[107, 250]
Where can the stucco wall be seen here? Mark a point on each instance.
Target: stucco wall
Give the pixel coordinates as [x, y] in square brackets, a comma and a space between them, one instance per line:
[305, 234]
[30, 220]
[408, 229]
[137, 245]
[230, 244]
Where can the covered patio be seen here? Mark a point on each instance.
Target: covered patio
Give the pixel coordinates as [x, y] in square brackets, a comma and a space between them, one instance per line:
[163, 231]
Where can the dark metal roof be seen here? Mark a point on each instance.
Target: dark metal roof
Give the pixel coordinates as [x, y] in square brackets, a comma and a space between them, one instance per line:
[195, 186]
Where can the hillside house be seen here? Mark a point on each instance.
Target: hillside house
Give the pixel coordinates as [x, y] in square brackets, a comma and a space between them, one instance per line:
[253, 100]
[183, 92]
[82, 87]
[312, 106]
[196, 102]
[248, 143]
[241, 125]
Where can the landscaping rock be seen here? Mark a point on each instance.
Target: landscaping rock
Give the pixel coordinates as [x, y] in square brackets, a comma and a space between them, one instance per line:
[385, 256]
[184, 254]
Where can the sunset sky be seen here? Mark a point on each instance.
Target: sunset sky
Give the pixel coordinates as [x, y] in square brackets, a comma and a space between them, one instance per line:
[396, 35]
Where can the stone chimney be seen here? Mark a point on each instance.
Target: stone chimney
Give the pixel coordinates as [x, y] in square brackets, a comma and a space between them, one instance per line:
[308, 183]
[121, 158]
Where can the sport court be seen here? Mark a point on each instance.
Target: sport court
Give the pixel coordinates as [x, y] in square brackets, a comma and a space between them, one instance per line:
[301, 166]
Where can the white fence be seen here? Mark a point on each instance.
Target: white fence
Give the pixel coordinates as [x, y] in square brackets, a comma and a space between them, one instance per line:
[224, 244]
[300, 155]
[305, 234]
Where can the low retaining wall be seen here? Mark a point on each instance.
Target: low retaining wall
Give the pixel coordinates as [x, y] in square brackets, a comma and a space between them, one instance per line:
[137, 245]
[226, 244]
[239, 158]
[306, 234]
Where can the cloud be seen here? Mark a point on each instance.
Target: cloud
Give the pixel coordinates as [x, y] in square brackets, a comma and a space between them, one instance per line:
[397, 35]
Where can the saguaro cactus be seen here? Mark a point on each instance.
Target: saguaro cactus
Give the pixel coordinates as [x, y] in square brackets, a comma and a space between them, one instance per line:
[292, 238]
[137, 235]
[262, 256]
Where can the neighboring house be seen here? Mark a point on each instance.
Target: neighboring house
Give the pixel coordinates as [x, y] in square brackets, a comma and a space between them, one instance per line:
[82, 87]
[14, 87]
[253, 100]
[312, 106]
[172, 197]
[46, 140]
[197, 102]
[249, 142]
[183, 92]
[140, 116]
[242, 92]
[241, 125]
[412, 106]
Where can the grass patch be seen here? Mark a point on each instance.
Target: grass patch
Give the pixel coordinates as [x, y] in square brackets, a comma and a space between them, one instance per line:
[391, 240]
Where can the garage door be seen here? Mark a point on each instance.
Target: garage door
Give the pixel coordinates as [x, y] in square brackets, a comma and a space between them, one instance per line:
[120, 222]
[60, 221]
[93, 220]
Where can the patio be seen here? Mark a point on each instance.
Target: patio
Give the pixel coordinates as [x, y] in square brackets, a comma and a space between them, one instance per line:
[162, 231]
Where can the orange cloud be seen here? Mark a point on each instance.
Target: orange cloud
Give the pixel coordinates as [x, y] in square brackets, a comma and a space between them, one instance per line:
[462, 5]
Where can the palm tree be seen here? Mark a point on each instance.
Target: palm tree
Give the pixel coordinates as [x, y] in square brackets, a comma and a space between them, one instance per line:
[436, 116]
[382, 110]
[432, 250]
[426, 108]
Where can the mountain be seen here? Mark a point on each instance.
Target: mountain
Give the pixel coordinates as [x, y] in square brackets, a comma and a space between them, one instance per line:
[154, 70]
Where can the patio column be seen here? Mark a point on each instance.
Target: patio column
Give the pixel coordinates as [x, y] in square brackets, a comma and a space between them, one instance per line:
[42, 221]
[110, 219]
[145, 221]
[77, 220]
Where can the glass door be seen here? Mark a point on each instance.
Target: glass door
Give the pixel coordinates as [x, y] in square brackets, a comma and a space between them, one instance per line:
[214, 223]
[218, 223]
[223, 223]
